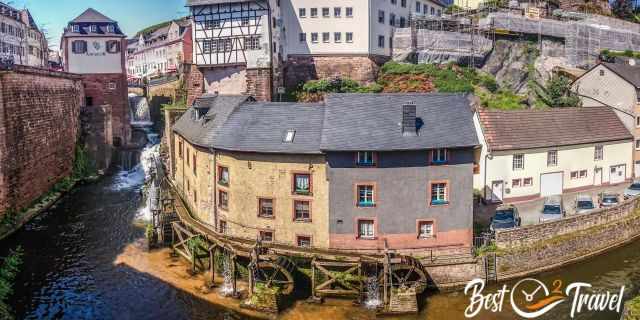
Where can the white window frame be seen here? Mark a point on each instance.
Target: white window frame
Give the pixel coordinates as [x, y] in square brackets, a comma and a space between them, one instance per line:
[637, 144]
[326, 37]
[598, 153]
[337, 37]
[348, 37]
[302, 37]
[440, 156]
[518, 162]
[349, 12]
[314, 37]
[366, 229]
[313, 12]
[326, 12]
[302, 12]
[337, 12]
[425, 233]
[552, 158]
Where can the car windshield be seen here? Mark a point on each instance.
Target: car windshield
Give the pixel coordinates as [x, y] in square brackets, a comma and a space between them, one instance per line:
[551, 209]
[610, 199]
[635, 186]
[585, 204]
[504, 215]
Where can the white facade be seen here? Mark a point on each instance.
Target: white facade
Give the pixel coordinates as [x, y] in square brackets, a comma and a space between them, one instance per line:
[576, 167]
[97, 59]
[20, 39]
[161, 52]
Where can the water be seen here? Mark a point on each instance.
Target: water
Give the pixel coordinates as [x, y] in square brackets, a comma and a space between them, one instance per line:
[227, 276]
[70, 272]
[139, 108]
[373, 293]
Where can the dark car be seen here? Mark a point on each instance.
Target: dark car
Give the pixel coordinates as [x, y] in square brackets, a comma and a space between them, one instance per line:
[609, 199]
[506, 217]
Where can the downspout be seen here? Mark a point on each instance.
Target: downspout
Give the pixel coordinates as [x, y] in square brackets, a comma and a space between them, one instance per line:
[271, 47]
[369, 26]
[213, 197]
[484, 185]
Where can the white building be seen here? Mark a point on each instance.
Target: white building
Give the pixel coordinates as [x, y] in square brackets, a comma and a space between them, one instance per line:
[160, 51]
[296, 40]
[20, 38]
[532, 153]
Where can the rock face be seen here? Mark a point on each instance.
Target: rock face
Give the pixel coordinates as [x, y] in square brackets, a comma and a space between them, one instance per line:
[511, 62]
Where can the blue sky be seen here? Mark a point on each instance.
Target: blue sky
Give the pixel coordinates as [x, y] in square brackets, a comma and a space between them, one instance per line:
[132, 15]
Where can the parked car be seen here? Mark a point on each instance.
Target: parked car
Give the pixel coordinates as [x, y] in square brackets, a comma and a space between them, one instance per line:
[505, 217]
[584, 204]
[609, 199]
[632, 191]
[553, 209]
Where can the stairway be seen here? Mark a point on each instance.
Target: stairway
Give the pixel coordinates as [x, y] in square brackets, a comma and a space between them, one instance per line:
[491, 267]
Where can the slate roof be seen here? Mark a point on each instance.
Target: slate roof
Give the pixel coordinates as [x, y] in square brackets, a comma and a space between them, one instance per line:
[626, 71]
[203, 132]
[526, 129]
[261, 127]
[92, 15]
[201, 2]
[372, 122]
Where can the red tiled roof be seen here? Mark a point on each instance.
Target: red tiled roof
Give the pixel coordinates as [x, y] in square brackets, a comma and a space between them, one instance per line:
[526, 129]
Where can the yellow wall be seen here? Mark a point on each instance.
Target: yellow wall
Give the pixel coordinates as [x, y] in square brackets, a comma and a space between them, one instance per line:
[253, 176]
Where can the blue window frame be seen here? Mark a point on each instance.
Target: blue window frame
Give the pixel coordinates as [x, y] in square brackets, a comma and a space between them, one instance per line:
[365, 196]
[366, 159]
[439, 156]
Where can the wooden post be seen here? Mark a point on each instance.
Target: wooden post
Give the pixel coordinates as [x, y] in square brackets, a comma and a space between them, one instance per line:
[386, 271]
[234, 275]
[212, 266]
[313, 278]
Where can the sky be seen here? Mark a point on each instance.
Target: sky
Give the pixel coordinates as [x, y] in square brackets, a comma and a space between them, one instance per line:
[131, 15]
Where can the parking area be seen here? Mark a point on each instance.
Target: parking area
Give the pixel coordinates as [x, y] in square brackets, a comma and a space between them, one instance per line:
[530, 211]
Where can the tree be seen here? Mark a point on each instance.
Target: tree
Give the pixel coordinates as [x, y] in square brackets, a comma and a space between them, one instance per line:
[8, 272]
[623, 9]
[557, 93]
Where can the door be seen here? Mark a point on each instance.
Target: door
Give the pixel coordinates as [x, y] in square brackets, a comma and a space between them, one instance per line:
[618, 174]
[551, 184]
[636, 168]
[597, 176]
[497, 190]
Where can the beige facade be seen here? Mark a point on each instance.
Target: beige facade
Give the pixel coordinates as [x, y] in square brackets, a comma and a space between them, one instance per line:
[254, 176]
[601, 86]
[20, 38]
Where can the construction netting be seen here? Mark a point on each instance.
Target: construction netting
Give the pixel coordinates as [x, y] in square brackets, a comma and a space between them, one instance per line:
[502, 21]
[433, 46]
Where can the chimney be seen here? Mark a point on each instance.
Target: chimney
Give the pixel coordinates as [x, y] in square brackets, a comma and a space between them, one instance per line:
[409, 120]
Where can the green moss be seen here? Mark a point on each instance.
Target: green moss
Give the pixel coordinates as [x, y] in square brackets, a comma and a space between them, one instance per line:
[633, 309]
[8, 271]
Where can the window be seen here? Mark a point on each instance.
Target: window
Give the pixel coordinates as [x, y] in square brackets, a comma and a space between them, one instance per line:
[314, 37]
[381, 41]
[425, 229]
[301, 211]
[380, 16]
[601, 73]
[194, 164]
[599, 153]
[112, 86]
[365, 159]
[392, 20]
[265, 208]
[349, 37]
[303, 241]
[518, 161]
[79, 46]
[439, 193]
[314, 12]
[425, 9]
[578, 174]
[394, 1]
[180, 149]
[337, 12]
[439, 13]
[366, 229]
[365, 196]
[76, 28]
[88, 101]
[403, 22]
[266, 236]
[326, 36]
[302, 183]
[290, 134]
[516, 183]
[94, 28]
[439, 156]
[223, 200]
[303, 37]
[574, 174]
[403, 3]
[302, 12]
[207, 46]
[188, 157]
[244, 21]
[433, 11]
[111, 28]
[552, 158]
[583, 173]
[349, 12]
[223, 176]
[637, 144]
[418, 6]
[195, 197]
[337, 37]
[638, 118]
[222, 227]
[113, 46]
[325, 13]
[252, 43]
[527, 182]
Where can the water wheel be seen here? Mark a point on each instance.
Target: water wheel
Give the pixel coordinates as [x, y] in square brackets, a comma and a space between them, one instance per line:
[409, 273]
[278, 273]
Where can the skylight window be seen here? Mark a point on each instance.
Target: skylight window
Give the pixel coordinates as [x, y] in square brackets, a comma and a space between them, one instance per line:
[289, 136]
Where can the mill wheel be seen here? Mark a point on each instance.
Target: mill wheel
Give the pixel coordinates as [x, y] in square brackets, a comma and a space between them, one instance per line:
[271, 275]
[409, 275]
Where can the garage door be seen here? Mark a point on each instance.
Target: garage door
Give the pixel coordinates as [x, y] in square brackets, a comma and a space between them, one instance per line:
[550, 184]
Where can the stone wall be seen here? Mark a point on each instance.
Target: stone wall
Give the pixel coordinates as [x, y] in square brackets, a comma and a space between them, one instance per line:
[39, 122]
[534, 249]
[110, 89]
[194, 82]
[168, 139]
[300, 69]
[259, 84]
[96, 135]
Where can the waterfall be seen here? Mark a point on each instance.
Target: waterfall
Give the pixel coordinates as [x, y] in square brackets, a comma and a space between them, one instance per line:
[373, 293]
[139, 110]
[227, 275]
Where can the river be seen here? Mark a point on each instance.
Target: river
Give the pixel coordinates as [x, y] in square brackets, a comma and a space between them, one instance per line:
[70, 269]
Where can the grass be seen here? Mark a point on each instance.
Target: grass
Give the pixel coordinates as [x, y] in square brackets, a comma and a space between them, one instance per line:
[633, 309]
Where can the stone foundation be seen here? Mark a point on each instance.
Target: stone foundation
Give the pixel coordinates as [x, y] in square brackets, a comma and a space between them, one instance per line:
[300, 69]
[39, 122]
[259, 84]
[110, 89]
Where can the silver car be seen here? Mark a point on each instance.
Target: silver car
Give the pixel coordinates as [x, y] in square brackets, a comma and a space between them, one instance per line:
[632, 191]
[553, 209]
[584, 204]
[609, 200]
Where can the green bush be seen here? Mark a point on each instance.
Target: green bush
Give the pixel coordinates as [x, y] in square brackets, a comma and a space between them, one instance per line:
[8, 271]
[503, 99]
